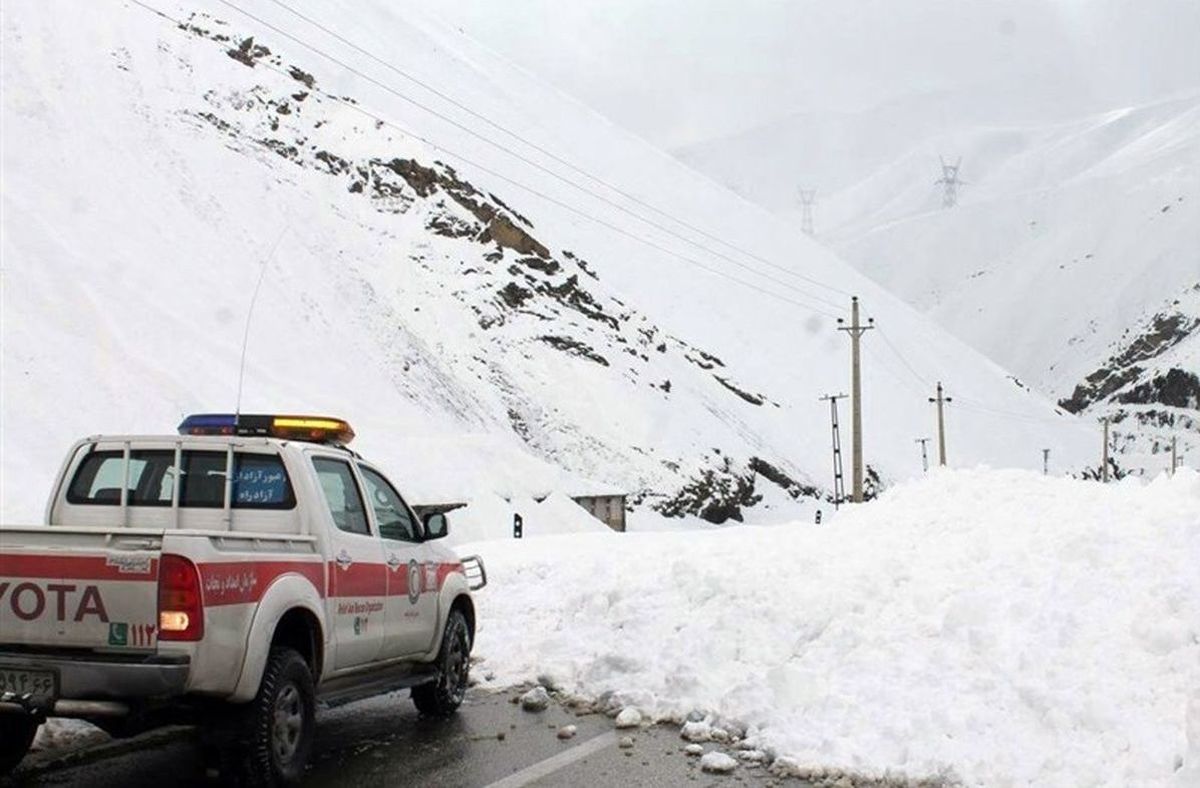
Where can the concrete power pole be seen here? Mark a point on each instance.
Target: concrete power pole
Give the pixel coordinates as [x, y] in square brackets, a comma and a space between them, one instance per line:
[1045, 462]
[808, 198]
[941, 422]
[924, 454]
[950, 182]
[1174, 456]
[1104, 460]
[839, 481]
[856, 330]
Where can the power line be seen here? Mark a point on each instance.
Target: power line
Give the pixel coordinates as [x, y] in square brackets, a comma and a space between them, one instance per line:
[535, 146]
[895, 351]
[552, 200]
[537, 165]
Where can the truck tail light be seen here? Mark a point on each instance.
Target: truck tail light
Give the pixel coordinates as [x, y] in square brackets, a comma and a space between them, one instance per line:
[180, 602]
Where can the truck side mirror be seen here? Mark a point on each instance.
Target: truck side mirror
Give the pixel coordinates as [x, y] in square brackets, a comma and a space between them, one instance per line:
[436, 525]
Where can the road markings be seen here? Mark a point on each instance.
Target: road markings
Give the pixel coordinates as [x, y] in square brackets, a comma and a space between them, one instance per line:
[552, 764]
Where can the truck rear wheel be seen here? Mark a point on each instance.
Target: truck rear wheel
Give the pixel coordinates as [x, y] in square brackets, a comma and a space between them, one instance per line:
[16, 737]
[273, 734]
[442, 698]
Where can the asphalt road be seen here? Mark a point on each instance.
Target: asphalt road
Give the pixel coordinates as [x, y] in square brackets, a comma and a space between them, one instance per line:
[382, 742]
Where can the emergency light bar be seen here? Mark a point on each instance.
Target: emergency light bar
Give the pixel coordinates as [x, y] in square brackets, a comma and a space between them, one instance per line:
[317, 429]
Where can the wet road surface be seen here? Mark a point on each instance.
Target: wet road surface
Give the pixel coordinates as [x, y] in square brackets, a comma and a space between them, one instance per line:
[382, 742]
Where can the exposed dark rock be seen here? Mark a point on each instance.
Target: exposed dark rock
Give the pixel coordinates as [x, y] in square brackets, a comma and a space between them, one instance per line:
[247, 52]
[547, 266]
[717, 495]
[570, 294]
[514, 296]
[218, 122]
[518, 424]
[703, 360]
[1166, 331]
[773, 474]
[574, 347]
[452, 227]
[753, 399]
[302, 76]
[1176, 388]
[282, 148]
[506, 234]
[334, 163]
[508, 208]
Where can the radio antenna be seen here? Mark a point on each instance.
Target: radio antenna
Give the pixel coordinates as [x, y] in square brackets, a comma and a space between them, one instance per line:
[262, 272]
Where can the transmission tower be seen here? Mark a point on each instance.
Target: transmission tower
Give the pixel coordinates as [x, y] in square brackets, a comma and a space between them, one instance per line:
[808, 198]
[950, 182]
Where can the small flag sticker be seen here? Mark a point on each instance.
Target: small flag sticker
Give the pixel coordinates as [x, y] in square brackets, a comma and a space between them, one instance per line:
[118, 634]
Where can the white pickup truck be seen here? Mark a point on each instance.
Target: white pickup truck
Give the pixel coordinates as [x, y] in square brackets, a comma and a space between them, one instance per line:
[232, 576]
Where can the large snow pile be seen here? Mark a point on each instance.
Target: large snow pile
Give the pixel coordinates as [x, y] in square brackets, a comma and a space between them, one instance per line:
[491, 517]
[1010, 627]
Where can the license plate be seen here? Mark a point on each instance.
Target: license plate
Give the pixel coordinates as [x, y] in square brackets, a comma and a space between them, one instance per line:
[41, 685]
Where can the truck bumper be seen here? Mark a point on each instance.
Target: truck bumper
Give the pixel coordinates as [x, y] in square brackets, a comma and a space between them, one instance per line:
[95, 678]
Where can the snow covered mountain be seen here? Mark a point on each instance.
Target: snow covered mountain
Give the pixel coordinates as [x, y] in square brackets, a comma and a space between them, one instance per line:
[536, 301]
[1069, 241]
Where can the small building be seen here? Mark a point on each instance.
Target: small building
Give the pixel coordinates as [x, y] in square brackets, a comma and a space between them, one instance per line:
[607, 508]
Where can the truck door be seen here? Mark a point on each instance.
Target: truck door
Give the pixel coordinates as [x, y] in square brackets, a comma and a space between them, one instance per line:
[412, 599]
[357, 574]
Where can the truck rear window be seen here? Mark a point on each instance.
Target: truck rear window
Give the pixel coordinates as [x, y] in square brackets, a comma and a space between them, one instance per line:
[259, 482]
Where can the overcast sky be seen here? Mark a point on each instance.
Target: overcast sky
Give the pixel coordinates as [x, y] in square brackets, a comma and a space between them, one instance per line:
[681, 71]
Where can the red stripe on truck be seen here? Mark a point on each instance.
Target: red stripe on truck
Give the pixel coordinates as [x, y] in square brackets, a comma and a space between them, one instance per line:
[80, 567]
[357, 579]
[241, 582]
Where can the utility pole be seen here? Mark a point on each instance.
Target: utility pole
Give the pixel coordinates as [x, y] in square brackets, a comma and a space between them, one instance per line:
[941, 400]
[1174, 455]
[1104, 467]
[856, 330]
[1045, 462]
[839, 482]
[950, 182]
[924, 454]
[808, 198]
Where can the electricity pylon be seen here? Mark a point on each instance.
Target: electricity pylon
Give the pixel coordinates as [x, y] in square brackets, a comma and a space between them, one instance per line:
[808, 198]
[950, 182]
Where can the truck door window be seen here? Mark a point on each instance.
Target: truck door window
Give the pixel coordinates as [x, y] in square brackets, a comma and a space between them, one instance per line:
[341, 495]
[391, 514]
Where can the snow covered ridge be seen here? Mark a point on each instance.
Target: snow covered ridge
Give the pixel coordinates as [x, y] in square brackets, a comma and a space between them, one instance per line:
[1011, 628]
[1149, 387]
[433, 303]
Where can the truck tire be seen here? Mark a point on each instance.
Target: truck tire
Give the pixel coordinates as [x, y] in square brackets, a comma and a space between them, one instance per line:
[273, 734]
[16, 737]
[442, 698]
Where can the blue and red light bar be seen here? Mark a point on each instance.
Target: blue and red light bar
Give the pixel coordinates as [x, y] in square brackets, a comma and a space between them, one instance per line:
[317, 429]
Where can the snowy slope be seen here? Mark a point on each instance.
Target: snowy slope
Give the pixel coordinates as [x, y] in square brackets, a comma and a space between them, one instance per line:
[998, 627]
[1069, 237]
[453, 302]
[1069, 233]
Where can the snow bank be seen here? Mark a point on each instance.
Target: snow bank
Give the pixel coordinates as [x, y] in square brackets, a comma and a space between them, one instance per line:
[490, 517]
[1013, 628]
